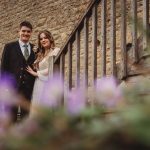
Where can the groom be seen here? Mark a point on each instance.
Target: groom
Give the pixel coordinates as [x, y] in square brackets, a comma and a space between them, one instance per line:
[16, 57]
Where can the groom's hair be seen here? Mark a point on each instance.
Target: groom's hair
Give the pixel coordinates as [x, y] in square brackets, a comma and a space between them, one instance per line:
[26, 24]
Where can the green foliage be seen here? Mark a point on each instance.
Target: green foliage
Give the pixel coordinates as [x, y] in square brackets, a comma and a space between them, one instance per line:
[124, 127]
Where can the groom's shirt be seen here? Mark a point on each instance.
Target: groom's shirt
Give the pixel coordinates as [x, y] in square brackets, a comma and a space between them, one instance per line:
[22, 47]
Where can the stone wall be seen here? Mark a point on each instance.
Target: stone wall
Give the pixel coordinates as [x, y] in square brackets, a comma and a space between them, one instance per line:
[99, 47]
[58, 16]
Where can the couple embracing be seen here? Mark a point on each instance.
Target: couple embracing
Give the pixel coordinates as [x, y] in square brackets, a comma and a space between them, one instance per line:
[29, 69]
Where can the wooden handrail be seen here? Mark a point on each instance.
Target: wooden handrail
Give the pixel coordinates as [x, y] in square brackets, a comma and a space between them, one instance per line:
[93, 31]
[78, 26]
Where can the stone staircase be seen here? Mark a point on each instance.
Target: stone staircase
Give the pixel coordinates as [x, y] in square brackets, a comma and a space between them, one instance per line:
[107, 41]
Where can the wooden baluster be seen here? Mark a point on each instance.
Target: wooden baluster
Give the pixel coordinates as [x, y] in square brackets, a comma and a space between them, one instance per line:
[123, 38]
[62, 66]
[77, 59]
[62, 70]
[134, 30]
[113, 37]
[86, 52]
[103, 37]
[69, 66]
[145, 23]
[94, 42]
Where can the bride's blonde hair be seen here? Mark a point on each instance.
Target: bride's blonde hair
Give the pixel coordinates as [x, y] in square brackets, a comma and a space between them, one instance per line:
[41, 51]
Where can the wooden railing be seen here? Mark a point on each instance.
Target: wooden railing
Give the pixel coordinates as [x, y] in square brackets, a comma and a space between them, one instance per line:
[98, 45]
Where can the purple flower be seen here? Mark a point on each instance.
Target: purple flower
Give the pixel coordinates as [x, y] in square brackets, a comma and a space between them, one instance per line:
[7, 98]
[76, 101]
[53, 92]
[7, 91]
[107, 92]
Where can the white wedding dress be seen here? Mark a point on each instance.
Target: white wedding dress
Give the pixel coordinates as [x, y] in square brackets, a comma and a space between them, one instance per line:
[41, 80]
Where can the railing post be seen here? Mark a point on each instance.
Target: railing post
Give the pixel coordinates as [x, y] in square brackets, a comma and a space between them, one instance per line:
[123, 38]
[145, 23]
[103, 37]
[77, 59]
[94, 42]
[113, 37]
[62, 66]
[62, 70]
[134, 30]
[69, 65]
[86, 52]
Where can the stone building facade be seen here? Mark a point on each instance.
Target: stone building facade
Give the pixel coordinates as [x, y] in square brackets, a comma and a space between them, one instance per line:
[58, 16]
[61, 17]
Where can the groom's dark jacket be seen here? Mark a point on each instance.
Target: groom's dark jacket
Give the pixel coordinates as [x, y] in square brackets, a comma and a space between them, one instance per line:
[14, 64]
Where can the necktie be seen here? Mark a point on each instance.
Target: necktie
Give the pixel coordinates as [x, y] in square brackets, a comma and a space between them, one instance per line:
[26, 52]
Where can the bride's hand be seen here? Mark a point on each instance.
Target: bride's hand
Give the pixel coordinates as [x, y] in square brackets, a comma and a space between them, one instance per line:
[30, 70]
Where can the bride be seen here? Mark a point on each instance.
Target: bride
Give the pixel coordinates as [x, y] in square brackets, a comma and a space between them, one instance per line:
[47, 49]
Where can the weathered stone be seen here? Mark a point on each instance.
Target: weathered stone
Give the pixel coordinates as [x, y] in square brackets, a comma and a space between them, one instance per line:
[58, 16]
[61, 17]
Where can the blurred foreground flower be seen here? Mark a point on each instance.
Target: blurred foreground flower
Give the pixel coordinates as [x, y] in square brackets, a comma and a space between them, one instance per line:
[76, 101]
[107, 92]
[53, 91]
[7, 92]
[85, 127]
[7, 99]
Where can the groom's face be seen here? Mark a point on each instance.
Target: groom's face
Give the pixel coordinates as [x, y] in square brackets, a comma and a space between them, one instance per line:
[25, 34]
